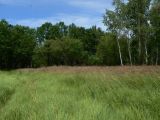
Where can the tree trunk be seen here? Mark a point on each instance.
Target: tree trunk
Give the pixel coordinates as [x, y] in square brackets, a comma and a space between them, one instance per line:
[120, 53]
[139, 41]
[146, 53]
[129, 51]
[157, 56]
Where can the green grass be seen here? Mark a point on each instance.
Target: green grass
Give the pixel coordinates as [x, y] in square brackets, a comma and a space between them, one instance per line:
[83, 96]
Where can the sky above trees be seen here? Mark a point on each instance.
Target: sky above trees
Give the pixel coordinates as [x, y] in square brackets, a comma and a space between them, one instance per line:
[35, 12]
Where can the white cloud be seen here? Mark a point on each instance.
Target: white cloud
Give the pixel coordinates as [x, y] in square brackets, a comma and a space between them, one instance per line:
[96, 5]
[91, 17]
[83, 20]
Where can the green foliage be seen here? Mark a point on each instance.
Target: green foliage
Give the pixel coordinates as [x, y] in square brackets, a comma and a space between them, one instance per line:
[38, 58]
[72, 51]
[16, 45]
[65, 51]
[107, 51]
[154, 42]
[23, 46]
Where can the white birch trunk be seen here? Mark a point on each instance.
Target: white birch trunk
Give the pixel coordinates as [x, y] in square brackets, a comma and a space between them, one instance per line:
[119, 49]
[129, 50]
[146, 52]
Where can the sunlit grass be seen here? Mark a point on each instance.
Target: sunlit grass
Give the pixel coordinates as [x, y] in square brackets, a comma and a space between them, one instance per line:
[79, 96]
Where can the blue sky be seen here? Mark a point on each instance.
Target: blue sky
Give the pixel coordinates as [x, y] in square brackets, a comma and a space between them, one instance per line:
[33, 13]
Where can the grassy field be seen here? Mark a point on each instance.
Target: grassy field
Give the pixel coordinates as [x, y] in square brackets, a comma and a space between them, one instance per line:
[80, 93]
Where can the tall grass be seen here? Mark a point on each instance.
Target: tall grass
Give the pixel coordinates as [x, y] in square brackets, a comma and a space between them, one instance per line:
[79, 96]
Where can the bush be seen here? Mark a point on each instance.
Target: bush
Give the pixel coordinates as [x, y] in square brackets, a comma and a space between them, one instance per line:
[64, 51]
[107, 51]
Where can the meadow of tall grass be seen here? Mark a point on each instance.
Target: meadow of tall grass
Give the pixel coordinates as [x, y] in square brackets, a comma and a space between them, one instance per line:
[114, 94]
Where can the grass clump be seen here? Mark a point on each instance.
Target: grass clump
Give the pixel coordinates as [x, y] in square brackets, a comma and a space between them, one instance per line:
[5, 95]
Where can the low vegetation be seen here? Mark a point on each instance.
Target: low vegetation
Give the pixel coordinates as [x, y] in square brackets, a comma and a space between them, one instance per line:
[89, 93]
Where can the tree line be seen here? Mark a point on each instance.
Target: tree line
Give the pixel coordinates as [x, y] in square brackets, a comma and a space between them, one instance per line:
[132, 38]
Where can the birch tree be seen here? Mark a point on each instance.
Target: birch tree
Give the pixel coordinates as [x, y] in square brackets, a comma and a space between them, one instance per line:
[113, 20]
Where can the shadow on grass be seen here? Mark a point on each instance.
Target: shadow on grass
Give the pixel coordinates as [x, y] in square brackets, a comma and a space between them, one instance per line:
[5, 96]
